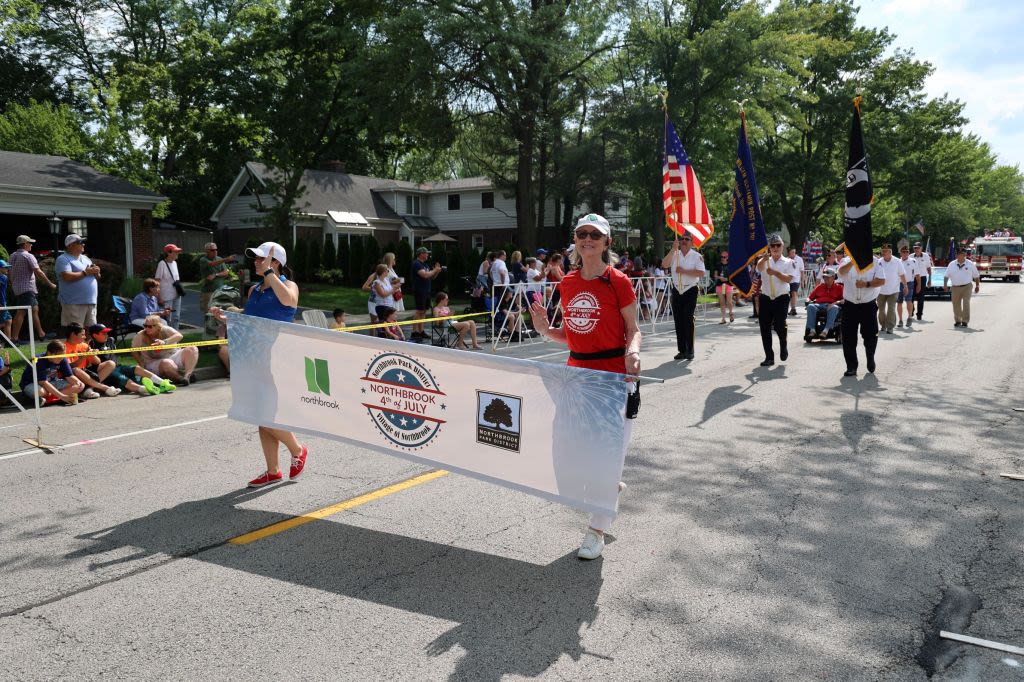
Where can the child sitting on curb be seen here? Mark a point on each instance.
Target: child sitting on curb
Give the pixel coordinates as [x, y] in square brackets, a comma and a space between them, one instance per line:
[56, 380]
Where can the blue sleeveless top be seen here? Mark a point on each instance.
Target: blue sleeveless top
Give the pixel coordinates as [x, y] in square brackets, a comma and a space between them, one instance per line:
[264, 303]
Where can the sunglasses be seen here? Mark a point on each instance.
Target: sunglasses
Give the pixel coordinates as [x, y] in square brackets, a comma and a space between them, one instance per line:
[584, 234]
[775, 246]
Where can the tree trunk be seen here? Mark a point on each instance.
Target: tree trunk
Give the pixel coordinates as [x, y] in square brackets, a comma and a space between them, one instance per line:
[525, 215]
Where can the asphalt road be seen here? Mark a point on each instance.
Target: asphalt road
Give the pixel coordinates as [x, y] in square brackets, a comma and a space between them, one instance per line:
[780, 523]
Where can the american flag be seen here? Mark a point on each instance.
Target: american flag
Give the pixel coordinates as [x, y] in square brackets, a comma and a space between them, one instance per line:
[685, 208]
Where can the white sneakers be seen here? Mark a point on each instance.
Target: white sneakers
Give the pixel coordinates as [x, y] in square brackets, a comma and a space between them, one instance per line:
[112, 391]
[593, 545]
[89, 393]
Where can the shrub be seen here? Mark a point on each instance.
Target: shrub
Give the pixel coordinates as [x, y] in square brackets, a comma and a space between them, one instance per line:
[313, 262]
[329, 276]
[330, 255]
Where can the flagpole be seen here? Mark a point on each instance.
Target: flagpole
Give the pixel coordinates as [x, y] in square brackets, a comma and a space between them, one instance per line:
[664, 147]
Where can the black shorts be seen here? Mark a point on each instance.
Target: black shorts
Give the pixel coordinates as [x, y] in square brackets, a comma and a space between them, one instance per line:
[422, 301]
[119, 377]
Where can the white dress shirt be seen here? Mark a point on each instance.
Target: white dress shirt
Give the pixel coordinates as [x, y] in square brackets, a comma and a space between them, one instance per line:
[691, 261]
[959, 274]
[772, 286]
[850, 291]
[891, 270]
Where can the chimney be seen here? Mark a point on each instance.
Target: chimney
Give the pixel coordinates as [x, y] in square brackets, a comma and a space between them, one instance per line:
[333, 165]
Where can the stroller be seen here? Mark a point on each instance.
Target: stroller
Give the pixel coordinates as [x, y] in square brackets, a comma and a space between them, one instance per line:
[479, 302]
[224, 297]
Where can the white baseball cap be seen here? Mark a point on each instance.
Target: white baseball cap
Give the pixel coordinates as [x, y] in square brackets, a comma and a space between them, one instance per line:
[596, 221]
[263, 250]
[72, 238]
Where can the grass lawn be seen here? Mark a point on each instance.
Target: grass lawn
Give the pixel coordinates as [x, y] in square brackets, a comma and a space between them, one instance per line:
[207, 356]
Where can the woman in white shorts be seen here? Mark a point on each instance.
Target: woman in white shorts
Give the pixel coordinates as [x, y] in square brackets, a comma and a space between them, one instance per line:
[177, 364]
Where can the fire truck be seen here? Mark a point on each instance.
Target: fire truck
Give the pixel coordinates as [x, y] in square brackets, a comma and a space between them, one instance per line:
[999, 257]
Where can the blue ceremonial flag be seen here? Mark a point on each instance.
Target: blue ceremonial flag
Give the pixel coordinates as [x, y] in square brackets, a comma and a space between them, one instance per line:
[952, 250]
[747, 238]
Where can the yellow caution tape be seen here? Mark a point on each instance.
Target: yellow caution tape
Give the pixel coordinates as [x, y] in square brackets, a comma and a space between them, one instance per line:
[115, 351]
[221, 342]
[381, 325]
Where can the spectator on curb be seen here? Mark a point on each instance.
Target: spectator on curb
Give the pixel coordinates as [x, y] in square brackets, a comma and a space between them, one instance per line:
[441, 309]
[5, 374]
[212, 271]
[5, 315]
[381, 292]
[422, 276]
[75, 343]
[122, 376]
[483, 275]
[177, 365]
[24, 271]
[78, 284]
[146, 303]
[340, 319]
[516, 269]
[170, 284]
[56, 380]
[389, 315]
[499, 274]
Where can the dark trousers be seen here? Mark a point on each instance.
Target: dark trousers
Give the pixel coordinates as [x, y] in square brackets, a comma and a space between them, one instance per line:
[919, 296]
[862, 316]
[771, 315]
[683, 307]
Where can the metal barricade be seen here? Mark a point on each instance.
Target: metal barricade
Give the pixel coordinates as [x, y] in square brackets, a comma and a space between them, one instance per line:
[653, 295]
[31, 415]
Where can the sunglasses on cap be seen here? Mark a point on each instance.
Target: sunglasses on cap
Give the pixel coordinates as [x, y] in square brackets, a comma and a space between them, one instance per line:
[592, 234]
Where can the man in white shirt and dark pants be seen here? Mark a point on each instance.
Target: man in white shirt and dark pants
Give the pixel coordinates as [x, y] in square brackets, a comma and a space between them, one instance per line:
[777, 273]
[924, 269]
[895, 276]
[959, 275]
[860, 311]
[686, 267]
[794, 286]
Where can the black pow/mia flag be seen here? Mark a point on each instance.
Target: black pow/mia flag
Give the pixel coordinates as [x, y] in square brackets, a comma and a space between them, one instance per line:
[857, 218]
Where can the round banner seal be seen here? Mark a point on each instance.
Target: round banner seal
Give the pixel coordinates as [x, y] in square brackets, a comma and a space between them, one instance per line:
[403, 400]
[582, 313]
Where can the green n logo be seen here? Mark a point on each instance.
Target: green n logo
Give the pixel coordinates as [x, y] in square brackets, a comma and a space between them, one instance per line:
[317, 378]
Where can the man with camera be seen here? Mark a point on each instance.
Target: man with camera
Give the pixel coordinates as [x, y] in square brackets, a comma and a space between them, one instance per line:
[422, 276]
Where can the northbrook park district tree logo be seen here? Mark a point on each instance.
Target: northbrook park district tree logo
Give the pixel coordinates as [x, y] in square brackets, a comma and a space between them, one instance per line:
[497, 422]
[403, 400]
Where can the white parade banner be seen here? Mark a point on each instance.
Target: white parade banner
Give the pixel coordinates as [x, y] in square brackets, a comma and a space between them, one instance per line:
[545, 429]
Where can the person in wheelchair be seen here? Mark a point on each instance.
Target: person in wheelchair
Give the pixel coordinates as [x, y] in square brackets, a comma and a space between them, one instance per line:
[826, 298]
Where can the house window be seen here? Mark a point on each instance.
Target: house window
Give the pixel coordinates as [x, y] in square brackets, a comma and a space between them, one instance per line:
[454, 201]
[412, 205]
[478, 242]
[487, 200]
[615, 204]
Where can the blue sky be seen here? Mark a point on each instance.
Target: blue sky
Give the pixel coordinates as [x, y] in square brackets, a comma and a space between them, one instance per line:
[977, 49]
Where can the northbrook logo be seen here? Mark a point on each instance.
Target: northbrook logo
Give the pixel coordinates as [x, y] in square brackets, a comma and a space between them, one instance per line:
[318, 380]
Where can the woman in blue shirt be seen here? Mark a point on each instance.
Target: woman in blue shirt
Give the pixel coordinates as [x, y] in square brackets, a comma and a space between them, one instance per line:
[146, 303]
[276, 298]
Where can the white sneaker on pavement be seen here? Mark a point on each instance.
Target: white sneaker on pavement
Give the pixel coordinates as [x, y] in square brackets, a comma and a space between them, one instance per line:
[112, 391]
[89, 393]
[593, 545]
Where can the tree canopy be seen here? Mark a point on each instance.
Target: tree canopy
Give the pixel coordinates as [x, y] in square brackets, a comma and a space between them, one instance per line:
[557, 102]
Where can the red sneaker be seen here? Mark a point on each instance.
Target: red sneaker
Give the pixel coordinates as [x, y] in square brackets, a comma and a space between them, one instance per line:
[266, 479]
[298, 463]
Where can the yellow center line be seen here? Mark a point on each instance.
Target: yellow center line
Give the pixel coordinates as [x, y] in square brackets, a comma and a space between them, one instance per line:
[352, 503]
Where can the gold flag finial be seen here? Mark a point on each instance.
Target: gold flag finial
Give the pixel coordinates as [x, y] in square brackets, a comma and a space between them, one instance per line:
[664, 100]
[856, 102]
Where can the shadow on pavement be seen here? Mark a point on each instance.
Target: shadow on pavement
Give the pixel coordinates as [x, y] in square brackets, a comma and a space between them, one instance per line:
[514, 617]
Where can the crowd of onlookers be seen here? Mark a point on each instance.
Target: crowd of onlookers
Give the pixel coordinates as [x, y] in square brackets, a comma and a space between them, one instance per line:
[91, 369]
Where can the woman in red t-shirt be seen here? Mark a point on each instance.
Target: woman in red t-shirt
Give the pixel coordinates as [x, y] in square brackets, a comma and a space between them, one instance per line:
[599, 326]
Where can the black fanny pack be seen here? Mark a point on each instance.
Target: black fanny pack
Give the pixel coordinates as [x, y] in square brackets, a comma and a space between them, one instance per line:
[599, 355]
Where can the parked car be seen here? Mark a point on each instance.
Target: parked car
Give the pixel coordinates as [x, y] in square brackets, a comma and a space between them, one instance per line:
[933, 289]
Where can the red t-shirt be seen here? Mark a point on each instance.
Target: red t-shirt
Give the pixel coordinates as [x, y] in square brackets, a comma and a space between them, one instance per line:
[592, 317]
[824, 294]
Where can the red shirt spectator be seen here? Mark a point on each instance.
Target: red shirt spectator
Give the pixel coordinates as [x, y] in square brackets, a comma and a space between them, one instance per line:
[823, 293]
